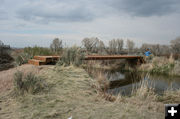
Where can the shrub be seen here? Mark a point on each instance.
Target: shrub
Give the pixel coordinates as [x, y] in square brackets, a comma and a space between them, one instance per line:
[29, 83]
[22, 59]
[72, 55]
[162, 65]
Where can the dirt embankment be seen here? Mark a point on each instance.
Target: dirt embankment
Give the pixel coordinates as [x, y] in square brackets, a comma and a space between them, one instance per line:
[6, 76]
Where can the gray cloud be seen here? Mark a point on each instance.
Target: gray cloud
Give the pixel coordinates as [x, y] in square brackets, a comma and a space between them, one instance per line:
[55, 11]
[3, 15]
[45, 11]
[146, 7]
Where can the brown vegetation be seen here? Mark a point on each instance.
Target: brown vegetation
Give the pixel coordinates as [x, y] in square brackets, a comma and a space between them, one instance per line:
[6, 77]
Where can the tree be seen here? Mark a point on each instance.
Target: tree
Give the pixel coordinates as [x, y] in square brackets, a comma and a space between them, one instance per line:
[56, 45]
[93, 44]
[1, 47]
[4, 48]
[1, 43]
[130, 45]
[112, 46]
[88, 44]
[156, 49]
[175, 45]
[101, 47]
[116, 46]
[120, 44]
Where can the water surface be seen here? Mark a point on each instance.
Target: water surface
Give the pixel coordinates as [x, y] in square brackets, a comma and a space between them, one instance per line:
[124, 82]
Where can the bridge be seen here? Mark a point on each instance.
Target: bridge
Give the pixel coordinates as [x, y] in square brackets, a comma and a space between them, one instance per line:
[43, 60]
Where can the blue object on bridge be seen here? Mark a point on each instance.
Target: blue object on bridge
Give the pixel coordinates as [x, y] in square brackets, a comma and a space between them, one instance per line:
[147, 53]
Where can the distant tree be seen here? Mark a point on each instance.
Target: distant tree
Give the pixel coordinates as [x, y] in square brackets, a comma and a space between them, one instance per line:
[130, 45]
[112, 46]
[88, 44]
[156, 49]
[1, 43]
[56, 45]
[116, 46]
[101, 47]
[120, 44]
[5, 58]
[165, 49]
[175, 45]
[4, 48]
[93, 45]
[1, 47]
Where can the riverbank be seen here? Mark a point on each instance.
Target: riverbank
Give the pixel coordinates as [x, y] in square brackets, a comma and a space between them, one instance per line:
[73, 94]
[161, 65]
[154, 65]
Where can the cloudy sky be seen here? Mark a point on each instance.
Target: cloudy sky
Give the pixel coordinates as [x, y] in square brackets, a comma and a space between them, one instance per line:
[38, 22]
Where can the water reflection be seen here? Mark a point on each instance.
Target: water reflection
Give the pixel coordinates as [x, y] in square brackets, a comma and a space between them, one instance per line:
[125, 82]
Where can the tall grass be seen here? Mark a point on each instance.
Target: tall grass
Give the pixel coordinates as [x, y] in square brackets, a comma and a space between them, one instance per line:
[144, 90]
[29, 83]
[160, 65]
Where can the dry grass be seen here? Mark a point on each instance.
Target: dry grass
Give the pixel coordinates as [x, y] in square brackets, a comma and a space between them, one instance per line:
[162, 65]
[72, 95]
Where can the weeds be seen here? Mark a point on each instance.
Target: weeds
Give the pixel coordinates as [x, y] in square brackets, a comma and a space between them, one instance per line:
[29, 83]
[144, 90]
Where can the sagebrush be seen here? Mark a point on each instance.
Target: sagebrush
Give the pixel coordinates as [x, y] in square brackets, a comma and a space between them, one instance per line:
[29, 83]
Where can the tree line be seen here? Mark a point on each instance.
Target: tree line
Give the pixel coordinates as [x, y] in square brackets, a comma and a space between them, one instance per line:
[114, 46]
[120, 46]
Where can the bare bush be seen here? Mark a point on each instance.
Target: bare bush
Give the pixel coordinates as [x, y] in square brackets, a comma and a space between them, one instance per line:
[29, 83]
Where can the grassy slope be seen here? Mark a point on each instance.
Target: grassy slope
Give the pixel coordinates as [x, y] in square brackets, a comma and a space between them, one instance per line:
[72, 95]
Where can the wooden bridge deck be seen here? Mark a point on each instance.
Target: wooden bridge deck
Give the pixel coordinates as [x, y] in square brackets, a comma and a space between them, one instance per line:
[43, 60]
[109, 57]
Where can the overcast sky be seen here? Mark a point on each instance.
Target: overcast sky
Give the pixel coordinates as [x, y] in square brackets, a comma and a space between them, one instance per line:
[38, 22]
